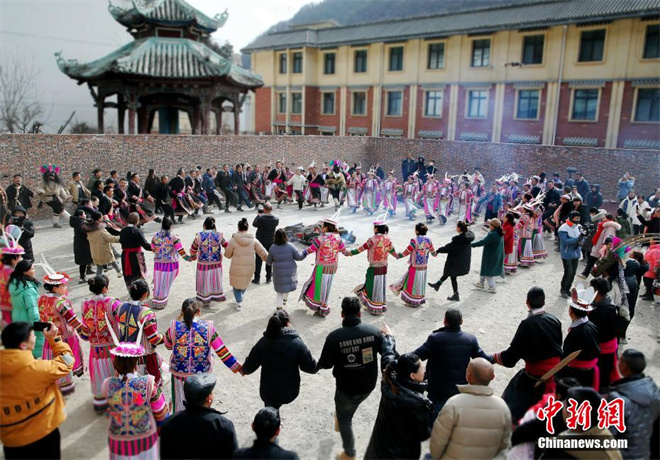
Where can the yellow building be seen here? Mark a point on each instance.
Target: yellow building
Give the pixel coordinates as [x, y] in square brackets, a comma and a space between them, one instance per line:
[565, 72]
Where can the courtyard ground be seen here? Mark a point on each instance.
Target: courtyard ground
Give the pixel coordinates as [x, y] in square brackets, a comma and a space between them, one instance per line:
[307, 423]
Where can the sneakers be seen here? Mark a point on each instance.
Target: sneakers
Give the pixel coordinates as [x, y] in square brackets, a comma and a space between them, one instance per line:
[582, 276]
[239, 307]
[491, 290]
[82, 281]
[479, 285]
[119, 275]
[564, 295]
[57, 226]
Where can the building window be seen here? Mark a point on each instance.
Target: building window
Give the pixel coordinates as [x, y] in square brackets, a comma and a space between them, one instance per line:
[328, 103]
[533, 49]
[329, 63]
[360, 61]
[281, 103]
[433, 104]
[296, 103]
[359, 103]
[528, 104]
[652, 42]
[648, 104]
[297, 62]
[592, 45]
[396, 58]
[436, 58]
[394, 103]
[283, 63]
[477, 103]
[481, 53]
[585, 104]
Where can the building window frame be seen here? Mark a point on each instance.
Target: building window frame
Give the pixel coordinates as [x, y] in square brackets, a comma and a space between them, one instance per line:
[297, 62]
[633, 116]
[441, 92]
[282, 63]
[296, 97]
[366, 103]
[543, 47]
[387, 103]
[334, 102]
[516, 115]
[355, 60]
[281, 99]
[473, 48]
[468, 93]
[400, 59]
[581, 44]
[327, 61]
[645, 45]
[428, 55]
[572, 105]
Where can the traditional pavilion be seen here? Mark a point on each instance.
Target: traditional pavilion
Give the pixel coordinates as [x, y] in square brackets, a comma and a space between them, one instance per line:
[167, 68]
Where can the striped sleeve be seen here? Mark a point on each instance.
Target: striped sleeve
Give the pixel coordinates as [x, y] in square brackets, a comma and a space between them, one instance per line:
[407, 251]
[314, 246]
[168, 338]
[362, 248]
[157, 402]
[178, 247]
[151, 328]
[223, 353]
[66, 310]
[194, 247]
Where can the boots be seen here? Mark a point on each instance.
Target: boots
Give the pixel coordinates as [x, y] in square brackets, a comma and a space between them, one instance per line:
[436, 285]
[454, 298]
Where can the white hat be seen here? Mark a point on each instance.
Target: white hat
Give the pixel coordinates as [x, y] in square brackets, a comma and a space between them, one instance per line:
[581, 298]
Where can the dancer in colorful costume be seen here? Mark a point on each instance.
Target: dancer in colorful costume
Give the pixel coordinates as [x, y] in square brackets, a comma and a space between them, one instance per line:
[327, 246]
[353, 191]
[410, 191]
[167, 248]
[465, 197]
[373, 292]
[207, 250]
[370, 189]
[430, 192]
[96, 311]
[52, 192]
[389, 190]
[136, 404]
[193, 342]
[525, 227]
[412, 285]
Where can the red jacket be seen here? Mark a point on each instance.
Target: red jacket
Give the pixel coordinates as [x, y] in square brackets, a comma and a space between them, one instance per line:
[508, 230]
[652, 256]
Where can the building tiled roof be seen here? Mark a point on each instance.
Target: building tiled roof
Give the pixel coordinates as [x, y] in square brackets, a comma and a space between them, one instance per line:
[537, 14]
[165, 12]
[160, 57]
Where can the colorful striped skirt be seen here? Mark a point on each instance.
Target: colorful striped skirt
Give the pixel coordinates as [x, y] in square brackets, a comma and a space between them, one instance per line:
[511, 259]
[411, 209]
[209, 282]
[135, 449]
[100, 368]
[369, 202]
[525, 252]
[164, 275]
[412, 287]
[538, 246]
[352, 198]
[316, 291]
[65, 384]
[429, 207]
[373, 292]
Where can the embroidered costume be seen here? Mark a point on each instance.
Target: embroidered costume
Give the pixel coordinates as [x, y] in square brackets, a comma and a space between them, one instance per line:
[372, 293]
[166, 247]
[207, 249]
[316, 291]
[192, 353]
[412, 285]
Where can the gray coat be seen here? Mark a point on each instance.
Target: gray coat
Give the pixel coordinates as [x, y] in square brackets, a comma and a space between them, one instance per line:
[285, 270]
[641, 405]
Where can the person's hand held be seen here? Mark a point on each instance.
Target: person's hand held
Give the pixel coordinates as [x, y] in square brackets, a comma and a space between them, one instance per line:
[51, 332]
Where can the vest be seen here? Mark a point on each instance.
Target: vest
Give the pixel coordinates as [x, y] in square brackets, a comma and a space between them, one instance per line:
[191, 349]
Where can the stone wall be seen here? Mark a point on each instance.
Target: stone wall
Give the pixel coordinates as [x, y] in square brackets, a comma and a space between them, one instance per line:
[25, 153]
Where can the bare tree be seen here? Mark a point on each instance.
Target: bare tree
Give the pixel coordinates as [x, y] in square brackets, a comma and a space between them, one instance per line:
[21, 110]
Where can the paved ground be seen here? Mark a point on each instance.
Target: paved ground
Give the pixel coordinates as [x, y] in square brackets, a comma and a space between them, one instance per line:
[307, 422]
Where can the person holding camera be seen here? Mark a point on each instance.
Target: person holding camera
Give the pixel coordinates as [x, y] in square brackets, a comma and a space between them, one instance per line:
[33, 407]
[571, 237]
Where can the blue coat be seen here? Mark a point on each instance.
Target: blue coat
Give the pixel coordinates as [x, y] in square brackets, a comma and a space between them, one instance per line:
[285, 270]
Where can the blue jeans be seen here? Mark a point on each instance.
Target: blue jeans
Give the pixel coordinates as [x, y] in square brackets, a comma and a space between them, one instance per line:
[345, 407]
[238, 294]
[243, 198]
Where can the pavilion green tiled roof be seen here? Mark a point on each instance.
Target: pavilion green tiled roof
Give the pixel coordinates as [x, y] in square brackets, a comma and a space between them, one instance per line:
[159, 57]
[534, 14]
[165, 12]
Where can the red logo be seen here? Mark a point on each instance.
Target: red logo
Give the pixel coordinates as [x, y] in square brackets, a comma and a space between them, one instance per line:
[610, 414]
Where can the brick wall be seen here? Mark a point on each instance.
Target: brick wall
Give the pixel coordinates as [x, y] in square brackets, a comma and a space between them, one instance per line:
[25, 153]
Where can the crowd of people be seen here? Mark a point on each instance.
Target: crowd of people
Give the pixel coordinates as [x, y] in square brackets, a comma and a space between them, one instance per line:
[448, 399]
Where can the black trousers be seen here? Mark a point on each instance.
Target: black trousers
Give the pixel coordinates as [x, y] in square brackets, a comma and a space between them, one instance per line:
[570, 269]
[47, 447]
[591, 261]
[230, 198]
[168, 210]
[257, 265]
[454, 282]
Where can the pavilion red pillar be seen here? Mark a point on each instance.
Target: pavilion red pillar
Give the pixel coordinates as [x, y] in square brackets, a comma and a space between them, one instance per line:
[121, 113]
[99, 114]
[237, 113]
[132, 106]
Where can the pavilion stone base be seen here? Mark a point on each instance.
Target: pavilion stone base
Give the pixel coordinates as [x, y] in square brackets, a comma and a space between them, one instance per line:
[25, 153]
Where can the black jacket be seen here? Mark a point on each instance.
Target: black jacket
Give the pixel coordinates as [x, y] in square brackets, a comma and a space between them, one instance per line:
[162, 193]
[27, 232]
[81, 252]
[19, 197]
[351, 352]
[448, 352]
[237, 180]
[265, 450]
[459, 253]
[604, 317]
[213, 433]
[652, 225]
[403, 419]
[266, 224]
[177, 184]
[223, 180]
[281, 359]
[105, 204]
